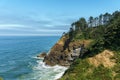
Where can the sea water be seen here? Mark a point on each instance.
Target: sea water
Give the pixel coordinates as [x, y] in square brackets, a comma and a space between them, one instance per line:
[18, 59]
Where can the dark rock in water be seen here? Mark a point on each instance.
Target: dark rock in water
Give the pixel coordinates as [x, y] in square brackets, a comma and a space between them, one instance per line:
[42, 55]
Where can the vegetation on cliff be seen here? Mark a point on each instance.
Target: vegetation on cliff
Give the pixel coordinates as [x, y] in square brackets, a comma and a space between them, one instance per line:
[103, 60]
[104, 66]
[100, 58]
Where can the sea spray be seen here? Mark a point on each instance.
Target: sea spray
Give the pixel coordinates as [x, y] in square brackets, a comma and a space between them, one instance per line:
[48, 72]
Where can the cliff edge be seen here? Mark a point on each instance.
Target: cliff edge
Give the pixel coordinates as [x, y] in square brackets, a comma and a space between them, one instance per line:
[59, 56]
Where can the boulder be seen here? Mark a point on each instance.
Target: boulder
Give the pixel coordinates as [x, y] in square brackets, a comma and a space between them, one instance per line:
[42, 55]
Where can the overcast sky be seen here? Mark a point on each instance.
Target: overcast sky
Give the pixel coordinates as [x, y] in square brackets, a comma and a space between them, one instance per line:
[48, 17]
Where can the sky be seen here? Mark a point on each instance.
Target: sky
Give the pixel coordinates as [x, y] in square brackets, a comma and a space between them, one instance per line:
[48, 17]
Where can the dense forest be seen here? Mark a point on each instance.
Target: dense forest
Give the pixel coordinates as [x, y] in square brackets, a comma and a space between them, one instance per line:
[104, 29]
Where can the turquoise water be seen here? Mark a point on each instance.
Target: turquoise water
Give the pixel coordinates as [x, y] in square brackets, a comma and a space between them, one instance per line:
[18, 58]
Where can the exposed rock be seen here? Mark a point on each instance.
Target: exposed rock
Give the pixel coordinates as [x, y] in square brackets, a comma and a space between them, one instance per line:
[59, 56]
[56, 56]
[42, 55]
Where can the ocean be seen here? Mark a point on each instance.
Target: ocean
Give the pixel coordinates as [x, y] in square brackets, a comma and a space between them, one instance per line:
[18, 59]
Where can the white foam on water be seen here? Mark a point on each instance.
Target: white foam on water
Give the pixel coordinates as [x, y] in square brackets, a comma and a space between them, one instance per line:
[35, 57]
[45, 72]
[40, 71]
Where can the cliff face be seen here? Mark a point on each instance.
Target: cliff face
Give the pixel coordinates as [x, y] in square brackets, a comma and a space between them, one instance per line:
[56, 56]
[102, 66]
[60, 57]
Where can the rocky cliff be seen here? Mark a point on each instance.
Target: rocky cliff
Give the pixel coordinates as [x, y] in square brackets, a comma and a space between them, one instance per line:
[62, 57]
[101, 66]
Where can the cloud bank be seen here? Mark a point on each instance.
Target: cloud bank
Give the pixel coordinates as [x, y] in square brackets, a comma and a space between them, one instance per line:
[29, 25]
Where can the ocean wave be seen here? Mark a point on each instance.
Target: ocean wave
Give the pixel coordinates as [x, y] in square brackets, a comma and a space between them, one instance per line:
[48, 72]
[35, 57]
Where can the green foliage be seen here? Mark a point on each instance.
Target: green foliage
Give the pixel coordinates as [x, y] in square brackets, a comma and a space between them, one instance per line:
[105, 31]
[116, 68]
[94, 33]
[77, 70]
[105, 36]
[102, 73]
[80, 25]
[82, 70]
[112, 34]
[96, 47]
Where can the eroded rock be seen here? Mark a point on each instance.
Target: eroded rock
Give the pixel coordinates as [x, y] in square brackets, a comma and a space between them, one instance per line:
[42, 55]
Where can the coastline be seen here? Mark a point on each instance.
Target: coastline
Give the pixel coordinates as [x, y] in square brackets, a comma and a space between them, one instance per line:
[55, 54]
[56, 68]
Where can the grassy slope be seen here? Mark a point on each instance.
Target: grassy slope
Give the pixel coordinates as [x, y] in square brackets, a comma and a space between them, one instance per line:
[81, 69]
[105, 37]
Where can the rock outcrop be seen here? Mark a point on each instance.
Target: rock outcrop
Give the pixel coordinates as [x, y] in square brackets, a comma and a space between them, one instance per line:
[60, 57]
[56, 55]
[42, 55]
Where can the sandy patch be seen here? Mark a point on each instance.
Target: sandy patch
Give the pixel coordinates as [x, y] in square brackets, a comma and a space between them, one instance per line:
[103, 58]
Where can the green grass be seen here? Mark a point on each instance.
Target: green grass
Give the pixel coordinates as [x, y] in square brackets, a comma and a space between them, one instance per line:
[82, 70]
[116, 68]
[77, 71]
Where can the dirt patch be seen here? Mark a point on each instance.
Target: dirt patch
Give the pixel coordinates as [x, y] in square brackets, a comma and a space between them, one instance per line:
[103, 58]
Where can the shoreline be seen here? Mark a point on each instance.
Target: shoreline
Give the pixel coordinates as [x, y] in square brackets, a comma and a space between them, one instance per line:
[54, 68]
[55, 57]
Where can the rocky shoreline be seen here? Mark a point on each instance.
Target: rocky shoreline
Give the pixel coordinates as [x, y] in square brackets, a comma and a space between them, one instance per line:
[57, 56]
[105, 39]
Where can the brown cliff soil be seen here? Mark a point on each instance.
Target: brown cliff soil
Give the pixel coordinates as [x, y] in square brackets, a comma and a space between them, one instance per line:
[56, 56]
[60, 57]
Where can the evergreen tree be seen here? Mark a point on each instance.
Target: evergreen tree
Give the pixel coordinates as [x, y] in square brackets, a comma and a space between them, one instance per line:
[90, 21]
[101, 19]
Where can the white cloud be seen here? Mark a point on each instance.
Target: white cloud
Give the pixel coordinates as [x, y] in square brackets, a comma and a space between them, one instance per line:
[54, 30]
[19, 25]
[30, 34]
[10, 26]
